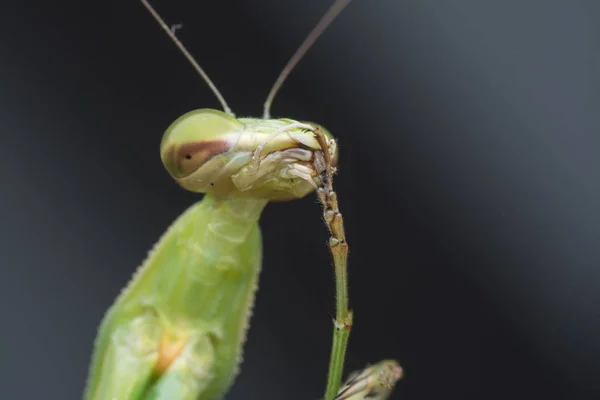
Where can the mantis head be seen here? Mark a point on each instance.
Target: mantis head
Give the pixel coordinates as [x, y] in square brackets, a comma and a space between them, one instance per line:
[209, 151]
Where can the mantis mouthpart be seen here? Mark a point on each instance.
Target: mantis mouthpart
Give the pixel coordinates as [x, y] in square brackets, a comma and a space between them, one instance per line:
[178, 328]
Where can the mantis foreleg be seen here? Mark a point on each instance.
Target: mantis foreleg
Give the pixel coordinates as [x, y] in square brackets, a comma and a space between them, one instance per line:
[339, 251]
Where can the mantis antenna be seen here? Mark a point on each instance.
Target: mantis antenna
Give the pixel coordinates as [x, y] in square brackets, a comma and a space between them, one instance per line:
[186, 53]
[312, 37]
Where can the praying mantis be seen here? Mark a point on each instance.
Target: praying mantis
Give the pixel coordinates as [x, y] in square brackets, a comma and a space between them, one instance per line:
[177, 330]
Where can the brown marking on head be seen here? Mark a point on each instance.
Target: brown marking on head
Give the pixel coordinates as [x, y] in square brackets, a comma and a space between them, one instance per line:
[186, 158]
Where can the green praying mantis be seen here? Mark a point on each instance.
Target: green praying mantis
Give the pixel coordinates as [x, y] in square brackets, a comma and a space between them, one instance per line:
[177, 330]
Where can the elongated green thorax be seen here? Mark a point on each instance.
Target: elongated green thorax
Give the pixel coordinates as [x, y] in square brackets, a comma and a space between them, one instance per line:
[185, 313]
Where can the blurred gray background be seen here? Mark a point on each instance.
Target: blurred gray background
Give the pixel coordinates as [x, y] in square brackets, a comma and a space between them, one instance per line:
[469, 182]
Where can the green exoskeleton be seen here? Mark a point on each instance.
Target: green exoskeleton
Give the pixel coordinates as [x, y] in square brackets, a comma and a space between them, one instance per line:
[177, 330]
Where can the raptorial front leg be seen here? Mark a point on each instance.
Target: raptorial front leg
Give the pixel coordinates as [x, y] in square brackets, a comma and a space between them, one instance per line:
[125, 366]
[338, 246]
[256, 175]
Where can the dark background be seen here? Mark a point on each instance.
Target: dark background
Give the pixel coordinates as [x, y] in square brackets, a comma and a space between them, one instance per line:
[469, 183]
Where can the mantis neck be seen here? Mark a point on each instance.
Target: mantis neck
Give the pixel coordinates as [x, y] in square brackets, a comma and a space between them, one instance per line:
[232, 219]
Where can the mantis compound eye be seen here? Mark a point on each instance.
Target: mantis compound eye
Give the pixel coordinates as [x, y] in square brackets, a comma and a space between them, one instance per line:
[196, 137]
